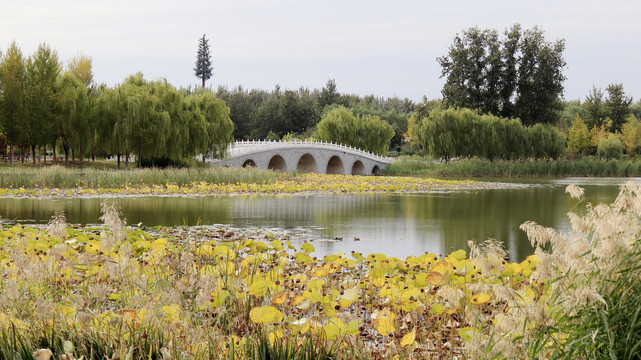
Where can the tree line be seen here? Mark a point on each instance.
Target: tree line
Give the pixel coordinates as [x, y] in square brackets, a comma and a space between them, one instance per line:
[45, 105]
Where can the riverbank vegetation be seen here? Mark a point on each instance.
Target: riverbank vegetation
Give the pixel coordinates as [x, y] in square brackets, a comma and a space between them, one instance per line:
[120, 292]
[64, 182]
[476, 167]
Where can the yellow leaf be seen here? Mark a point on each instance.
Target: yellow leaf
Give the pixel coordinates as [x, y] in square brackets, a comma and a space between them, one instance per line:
[384, 322]
[171, 312]
[465, 333]
[115, 296]
[259, 287]
[434, 278]
[480, 298]
[409, 338]
[348, 297]
[265, 314]
[277, 245]
[308, 248]
[334, 328]
[280, 298]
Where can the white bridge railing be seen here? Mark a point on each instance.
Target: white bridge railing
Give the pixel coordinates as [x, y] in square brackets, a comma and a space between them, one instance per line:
[243, 147]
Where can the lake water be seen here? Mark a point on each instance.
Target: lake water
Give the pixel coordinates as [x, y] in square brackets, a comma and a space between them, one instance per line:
[395, 224]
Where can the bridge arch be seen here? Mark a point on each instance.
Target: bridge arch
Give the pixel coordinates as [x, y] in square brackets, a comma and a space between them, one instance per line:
[249, 163]
[335, 166]
[307, 164]
[358, 168]
[277, 163]
[376, 170]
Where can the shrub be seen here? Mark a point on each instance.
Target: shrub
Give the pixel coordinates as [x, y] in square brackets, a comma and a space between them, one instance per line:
[610, 147]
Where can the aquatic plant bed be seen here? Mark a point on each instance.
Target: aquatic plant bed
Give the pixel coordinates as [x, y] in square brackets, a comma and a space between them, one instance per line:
[174, 293]
[301, 184]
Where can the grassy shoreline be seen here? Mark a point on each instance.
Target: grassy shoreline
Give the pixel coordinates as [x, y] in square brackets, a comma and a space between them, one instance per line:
[580, 167]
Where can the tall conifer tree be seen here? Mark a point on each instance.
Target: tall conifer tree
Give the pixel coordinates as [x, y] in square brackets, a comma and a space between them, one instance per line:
[203, 69]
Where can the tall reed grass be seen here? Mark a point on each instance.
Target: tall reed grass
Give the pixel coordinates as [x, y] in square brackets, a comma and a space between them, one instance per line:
[587, 166]
[60, 177]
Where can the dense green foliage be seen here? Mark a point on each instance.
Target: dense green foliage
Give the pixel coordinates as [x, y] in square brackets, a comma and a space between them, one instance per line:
[519, 76]
[42, 106]
[465, 133]
[256, 113]
[367, 132]
[610, 147]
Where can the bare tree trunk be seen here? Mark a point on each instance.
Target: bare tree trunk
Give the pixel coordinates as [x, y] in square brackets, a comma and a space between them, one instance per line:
[118, 161]
[33, 152]
[127, 160]
[11, 154]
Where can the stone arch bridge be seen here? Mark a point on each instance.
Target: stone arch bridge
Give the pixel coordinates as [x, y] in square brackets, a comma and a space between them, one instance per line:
[303, 156]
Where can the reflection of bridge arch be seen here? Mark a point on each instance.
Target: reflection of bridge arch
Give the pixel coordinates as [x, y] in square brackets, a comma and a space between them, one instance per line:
[303, 156]
[277, 163]
[335, 166]
[306, 164]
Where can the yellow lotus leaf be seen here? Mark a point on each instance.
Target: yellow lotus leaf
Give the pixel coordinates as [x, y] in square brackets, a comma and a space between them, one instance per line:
[115, 296]
[265, 314]
[219, 297]
[458, 254]
[302, 258]
[390, 291]
[409, 338]
[384, 322]
[289, 245]
[92, 247]
[315, 284]
[273, 336]
[352, 327]
[259, 287]
[304, 305]
[299, 278]
[171, 313]
[348, 297]
[301, 325]
[334, 328]
[436, 309]
[434, 278]
[308, 248]
[202, 250]
[442, 267]
[410, 295]
[159, 245]
[465, 333]
[277, 245]
[298, 299]
[280, 298]
[481, 298]
[319, 272]
[378, 282]
[224, 251]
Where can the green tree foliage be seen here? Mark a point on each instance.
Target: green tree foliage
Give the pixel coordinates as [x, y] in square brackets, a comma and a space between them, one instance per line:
[520, 75]
[594, 107]
[449, 133]
[71, 126]
[216, 123]
[12, 97]
[617, 105]
[610, 147]
[203, 69]
[41, 98]
[366, 132]
[631, 134]
[578, 136]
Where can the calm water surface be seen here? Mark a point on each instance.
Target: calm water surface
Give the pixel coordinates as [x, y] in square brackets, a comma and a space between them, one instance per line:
[395, 224]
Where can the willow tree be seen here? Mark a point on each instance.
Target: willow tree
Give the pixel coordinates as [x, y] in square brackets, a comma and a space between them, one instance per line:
[72, 106]
[365, 132]
[172, 133]
[12, 73]
[42, 71]
[218, 125]
[82, 67]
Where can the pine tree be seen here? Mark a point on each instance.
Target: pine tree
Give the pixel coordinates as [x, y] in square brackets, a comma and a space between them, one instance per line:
[203, 69]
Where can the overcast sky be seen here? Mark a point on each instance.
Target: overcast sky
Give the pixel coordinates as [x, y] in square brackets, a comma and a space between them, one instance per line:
[376, 47]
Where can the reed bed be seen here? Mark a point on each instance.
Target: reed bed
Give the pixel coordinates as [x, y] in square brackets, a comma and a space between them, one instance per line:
[61, 177]
[475, 167]
[117, 292]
